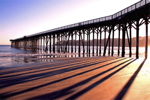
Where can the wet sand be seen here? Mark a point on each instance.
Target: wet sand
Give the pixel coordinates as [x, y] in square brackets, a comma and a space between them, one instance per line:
[97, 78]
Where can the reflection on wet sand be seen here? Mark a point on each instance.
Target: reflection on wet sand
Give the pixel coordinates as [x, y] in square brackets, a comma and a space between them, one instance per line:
[16, 60]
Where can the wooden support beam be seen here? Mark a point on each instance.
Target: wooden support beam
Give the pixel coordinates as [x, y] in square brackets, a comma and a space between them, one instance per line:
[130, 45]
[93, 31]
[123, 39]
[83, 41]
[53, 43]
[146, 35]
[119, 40]
[112, 51]
[68, 43]
[108, 39]
[79, 51]
[75, 41]
[137, 39]
[105, 35]
[72, 42]
[58, 42]
[89, 42]
[50, 43]
[109, 43]
[97, 32]
[100, 43]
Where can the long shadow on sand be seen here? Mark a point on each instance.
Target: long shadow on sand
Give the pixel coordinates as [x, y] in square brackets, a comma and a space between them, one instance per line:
[13, 81]
[45, 67]
[6, 95]
[33, 67]
[127, 86]
[70, 89]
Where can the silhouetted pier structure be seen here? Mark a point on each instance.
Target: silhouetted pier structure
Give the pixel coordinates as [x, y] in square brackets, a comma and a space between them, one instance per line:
[79, 37]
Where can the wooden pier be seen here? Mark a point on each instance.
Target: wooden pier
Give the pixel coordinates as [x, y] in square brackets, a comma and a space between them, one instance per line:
[102, 30]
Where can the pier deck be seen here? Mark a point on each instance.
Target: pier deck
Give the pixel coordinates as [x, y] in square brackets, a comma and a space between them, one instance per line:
[96, 78]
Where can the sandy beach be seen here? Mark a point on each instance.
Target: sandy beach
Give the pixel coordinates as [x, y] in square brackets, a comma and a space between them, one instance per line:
[95, 78]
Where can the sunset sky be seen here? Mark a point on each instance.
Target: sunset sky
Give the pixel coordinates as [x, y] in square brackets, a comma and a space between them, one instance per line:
[24, 17]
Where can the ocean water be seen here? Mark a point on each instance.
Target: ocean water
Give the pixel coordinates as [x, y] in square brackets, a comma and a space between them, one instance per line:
[12, 57]
[7, 50]
[9, 56]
